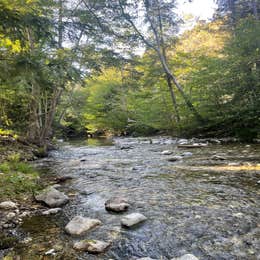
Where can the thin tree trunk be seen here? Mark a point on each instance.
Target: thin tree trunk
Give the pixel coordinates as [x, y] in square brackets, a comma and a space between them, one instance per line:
[255, 9]
[169, 74]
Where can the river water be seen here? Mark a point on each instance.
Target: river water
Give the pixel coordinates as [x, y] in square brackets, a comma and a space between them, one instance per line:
[206, 204]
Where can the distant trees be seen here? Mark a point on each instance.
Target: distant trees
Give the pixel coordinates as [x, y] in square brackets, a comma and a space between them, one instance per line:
[237, 9]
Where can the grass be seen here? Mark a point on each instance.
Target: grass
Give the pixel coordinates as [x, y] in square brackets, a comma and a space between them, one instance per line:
[17, 179]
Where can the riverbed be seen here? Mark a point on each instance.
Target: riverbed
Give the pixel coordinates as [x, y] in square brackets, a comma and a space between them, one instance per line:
[206, 203]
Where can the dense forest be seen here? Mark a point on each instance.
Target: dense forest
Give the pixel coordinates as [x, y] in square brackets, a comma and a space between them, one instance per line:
[74, 67]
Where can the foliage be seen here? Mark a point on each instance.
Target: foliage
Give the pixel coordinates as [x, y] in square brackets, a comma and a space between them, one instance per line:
[17, 178]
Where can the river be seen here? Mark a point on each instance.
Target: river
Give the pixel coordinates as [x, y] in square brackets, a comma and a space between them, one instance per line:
[206, 204]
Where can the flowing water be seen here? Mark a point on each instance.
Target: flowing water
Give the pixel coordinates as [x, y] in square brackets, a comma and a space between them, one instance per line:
[204, 205]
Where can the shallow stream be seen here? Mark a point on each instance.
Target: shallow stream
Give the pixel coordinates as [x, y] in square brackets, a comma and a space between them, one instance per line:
[206, 204]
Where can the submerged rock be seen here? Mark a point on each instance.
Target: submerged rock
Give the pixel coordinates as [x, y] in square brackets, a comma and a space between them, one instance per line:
[133, 219]
[91, 246]
[52, 197]
[186, 257]
[117, 204]
[8, 205]
[145, 258]
[187, 154]
[175, 158]
[79, 225]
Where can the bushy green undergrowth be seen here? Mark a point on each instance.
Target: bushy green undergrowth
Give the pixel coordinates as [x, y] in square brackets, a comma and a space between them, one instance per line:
[17, 178]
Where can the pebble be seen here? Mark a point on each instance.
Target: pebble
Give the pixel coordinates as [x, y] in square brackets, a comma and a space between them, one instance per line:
[187, 154]
[50, 252]
[10, 215]
[166, 152]
[51, 211]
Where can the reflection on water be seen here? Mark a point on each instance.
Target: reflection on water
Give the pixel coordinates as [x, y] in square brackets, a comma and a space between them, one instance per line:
[102, 141]
[212, 214]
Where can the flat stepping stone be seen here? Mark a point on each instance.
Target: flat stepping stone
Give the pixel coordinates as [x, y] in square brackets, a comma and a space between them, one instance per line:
[79, 225]
[117, 204]
[132, 219]
[52, 197]
[91, 246]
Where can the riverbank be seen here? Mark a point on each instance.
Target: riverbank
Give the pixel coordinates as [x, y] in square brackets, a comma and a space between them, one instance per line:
[19, 180]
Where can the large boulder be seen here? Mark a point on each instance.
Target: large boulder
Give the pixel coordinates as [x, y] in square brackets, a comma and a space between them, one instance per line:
[186, 257]
[132, 219]
[117, 204]
[8, 205]
[79, 225]
[52, 197]
[91, 246]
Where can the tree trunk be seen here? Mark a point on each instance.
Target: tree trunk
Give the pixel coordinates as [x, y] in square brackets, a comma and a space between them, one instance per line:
[255, 8]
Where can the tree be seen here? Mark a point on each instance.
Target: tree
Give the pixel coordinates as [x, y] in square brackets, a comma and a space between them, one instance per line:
[160, 19]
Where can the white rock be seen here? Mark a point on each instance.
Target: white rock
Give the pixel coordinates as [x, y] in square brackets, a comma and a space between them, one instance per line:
[91, 246]
[166, 152]
[51, 211]
[183, 141]
[56, 186]
[50, 252]
[117, 204]
[10, 215]
[8, 205]
[186, 257]
[132, 219]
[52, 197]
[233, 164]
[79, 225]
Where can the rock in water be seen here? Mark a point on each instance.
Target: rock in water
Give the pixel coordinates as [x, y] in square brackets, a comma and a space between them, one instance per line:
[133, 219]
[187, 154]
[166, 152]
[52, 197]
[186, 257]
[8, 205]
[79, 225]
[51, 211]
[117, 204]
[145, 258]
[91, 246]
[175, 158]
